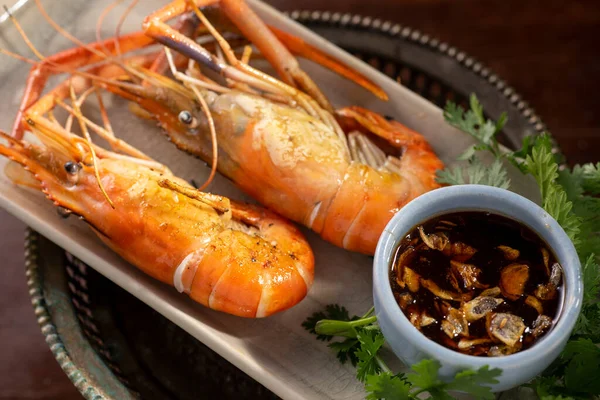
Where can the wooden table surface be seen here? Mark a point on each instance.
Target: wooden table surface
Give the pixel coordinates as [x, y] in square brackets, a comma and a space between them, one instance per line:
[548, 50]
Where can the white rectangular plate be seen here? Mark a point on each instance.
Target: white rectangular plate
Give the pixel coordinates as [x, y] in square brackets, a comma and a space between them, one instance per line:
[275, 351]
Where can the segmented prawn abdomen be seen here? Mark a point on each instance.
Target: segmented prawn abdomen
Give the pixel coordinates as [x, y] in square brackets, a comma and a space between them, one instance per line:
[345, 206]
[246, 276]
[366, 200]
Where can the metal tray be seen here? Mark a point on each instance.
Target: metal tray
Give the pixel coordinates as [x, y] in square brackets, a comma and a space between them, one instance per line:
[113, 346]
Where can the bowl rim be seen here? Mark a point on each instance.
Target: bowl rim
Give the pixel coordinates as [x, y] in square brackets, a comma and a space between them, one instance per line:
[572, 277]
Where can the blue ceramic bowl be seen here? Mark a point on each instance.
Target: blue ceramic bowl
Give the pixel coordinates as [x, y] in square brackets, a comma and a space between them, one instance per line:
[411, 346]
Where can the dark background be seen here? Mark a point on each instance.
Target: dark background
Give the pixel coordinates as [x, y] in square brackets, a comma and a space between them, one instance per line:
[547, 50]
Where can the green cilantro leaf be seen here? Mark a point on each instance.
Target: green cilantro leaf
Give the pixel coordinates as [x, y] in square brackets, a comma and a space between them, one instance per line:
[474, 123]
[310, 323]
[544, 169]
[557, 205]
[451, 176]
[591, 280]
[368, 363]
[363, 349]
[582, 372]
[518, 157]
[386, 386]
[588, 323]
[494, 175]
[468, 153]
[591, 178]
[542, 165]
[335, 311]
[544, 385]
[579, 185]
[425, 375]
[440, 394]
[571, 182]
[526, 147]
[474, 382]
[346, 350]
[476, 173]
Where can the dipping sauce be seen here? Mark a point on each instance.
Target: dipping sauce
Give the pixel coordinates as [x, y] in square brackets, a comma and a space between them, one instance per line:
[478, 283]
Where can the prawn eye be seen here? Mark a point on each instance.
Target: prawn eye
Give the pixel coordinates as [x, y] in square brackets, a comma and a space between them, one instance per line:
[186, 118]
[72, 168]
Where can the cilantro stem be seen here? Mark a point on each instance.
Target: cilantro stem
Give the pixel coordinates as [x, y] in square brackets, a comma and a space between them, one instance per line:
[368, 312]
[382, 365]
[342, 328]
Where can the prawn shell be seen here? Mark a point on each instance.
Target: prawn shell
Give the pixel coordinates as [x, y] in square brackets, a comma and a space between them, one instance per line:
[236, 277]
[251, 271]
[362, 207]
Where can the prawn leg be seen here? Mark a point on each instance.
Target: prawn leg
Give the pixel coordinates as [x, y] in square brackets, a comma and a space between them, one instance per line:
[390, 130]
[300, 48]
[251, 27]
[274, 51]
[79, 84]
[265, 38]
[64, 61]
[187, 25]
[84, 55]
[410, 146]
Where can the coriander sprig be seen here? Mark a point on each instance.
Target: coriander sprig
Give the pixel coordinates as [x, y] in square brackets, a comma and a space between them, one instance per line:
[362, 345]
[476, 174]
[485, 131]
[424, 380]
[543, 167]
[474, 123]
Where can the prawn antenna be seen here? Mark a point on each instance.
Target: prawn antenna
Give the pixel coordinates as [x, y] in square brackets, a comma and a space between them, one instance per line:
[66, 34]
[209, 118]
[23, 34]
[78, 42]
[18, 57]
[120, 25]
[57, 66]
[88, 138]
[100, 21]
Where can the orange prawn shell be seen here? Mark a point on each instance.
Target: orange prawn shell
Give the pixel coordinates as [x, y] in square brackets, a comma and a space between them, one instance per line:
[249, 274]
[236, 273]
[295, 165]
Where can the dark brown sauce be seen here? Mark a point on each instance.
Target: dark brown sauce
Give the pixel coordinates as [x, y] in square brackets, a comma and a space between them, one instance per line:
[471, 239]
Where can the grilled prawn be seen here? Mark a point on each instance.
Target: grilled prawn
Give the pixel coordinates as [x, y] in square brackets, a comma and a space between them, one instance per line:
[342, 173]
[230, 257]
[298, 166]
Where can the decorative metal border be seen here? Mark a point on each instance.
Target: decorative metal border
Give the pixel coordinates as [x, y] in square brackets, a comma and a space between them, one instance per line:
[393, 30]
[36, 291]
[412, 35]
[77, 284]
